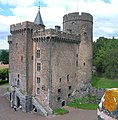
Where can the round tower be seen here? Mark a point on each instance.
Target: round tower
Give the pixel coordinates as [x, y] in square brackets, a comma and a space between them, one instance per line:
[82, 25]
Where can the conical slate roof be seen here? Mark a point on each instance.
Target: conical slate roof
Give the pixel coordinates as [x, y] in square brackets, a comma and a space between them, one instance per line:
[38, 20]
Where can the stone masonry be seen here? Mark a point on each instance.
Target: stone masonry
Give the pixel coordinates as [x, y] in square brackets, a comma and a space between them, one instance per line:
[48, 66]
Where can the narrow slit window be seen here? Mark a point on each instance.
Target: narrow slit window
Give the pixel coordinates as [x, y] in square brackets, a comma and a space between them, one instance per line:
[68, 78]
[60, 80]
[21, 58]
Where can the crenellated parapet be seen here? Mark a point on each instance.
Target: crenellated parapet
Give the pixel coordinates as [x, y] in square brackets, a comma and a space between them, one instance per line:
[22, 27]
[78, 17]
[53, 34]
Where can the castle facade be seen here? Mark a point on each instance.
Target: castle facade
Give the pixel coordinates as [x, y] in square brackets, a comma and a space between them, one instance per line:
[49, 66]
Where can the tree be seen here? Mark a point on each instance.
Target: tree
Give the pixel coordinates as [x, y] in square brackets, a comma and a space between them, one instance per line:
[105, 56]
[4, 56]
[4, 73]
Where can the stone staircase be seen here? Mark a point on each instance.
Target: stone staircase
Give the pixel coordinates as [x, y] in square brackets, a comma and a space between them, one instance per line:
[43, 110]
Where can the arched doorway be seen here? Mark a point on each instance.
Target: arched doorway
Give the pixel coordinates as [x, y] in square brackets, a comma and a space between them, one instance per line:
[63, 103]
[18, 101]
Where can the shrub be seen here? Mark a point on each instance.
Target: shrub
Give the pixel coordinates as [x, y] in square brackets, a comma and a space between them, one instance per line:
[4, 73]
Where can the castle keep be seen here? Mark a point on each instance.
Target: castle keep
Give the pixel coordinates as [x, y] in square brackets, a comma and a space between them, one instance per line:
[49, 66]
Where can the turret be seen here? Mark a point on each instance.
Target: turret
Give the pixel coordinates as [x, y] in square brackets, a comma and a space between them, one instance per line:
[83, 25]
[38, 20]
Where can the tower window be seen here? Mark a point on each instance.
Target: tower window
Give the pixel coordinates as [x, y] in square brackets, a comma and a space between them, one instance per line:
[77, 55]
[38, 66]
[68, 78]
[21, 58]
[69, 87]
[60, 80]
[85, 33]
[38, 90]
[38, 53]
[58, 98]
[38, 79]
[84, 63]
[76, 63]
[59, 90]
[69, 95]
[32, 57]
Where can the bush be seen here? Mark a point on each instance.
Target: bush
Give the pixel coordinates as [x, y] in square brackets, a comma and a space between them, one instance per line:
[4, 73]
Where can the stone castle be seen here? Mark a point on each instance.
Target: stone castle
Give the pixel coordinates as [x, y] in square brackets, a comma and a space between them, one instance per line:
[49, 66]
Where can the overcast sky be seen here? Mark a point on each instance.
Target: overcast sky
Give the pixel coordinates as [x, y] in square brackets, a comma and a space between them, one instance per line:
[105, 14]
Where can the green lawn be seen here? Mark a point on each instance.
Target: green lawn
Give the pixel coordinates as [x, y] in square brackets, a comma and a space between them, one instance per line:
[101, 82]
[60, 111]
[88, 103]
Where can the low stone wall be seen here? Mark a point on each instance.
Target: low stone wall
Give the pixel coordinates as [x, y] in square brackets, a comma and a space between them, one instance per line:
[97, 92]
[84, 89]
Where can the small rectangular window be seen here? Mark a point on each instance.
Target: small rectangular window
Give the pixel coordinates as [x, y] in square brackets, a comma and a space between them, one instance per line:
[38, 79]
[38, 90]
[38, 66]
[59, 91]
[38, 53]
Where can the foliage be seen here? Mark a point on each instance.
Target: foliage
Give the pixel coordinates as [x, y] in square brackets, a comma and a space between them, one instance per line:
[105, 57]
[88, 103]
[4, 56]
[4, 73]
[101, 82]
[60, 111]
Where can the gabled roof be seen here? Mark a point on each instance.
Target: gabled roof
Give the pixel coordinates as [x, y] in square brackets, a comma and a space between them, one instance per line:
[38, 20]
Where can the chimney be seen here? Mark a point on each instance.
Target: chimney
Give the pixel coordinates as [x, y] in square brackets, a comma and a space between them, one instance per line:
[57, 28]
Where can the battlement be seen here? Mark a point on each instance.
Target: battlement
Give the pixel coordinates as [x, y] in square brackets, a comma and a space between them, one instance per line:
[9, 39]
[52, 33]
[77, 16]
[21, 26]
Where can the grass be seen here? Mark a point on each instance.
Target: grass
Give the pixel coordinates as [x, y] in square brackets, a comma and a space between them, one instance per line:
[101, 82]
[88, 103]
[60, 111]
[5, 84]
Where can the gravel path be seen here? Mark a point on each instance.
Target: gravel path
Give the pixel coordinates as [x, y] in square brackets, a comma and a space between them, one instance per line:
[6, 113]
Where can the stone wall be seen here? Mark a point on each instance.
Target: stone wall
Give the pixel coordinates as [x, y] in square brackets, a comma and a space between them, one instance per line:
[63, 72]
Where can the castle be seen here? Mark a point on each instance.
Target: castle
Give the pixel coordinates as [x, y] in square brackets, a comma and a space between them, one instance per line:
[49, 66]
